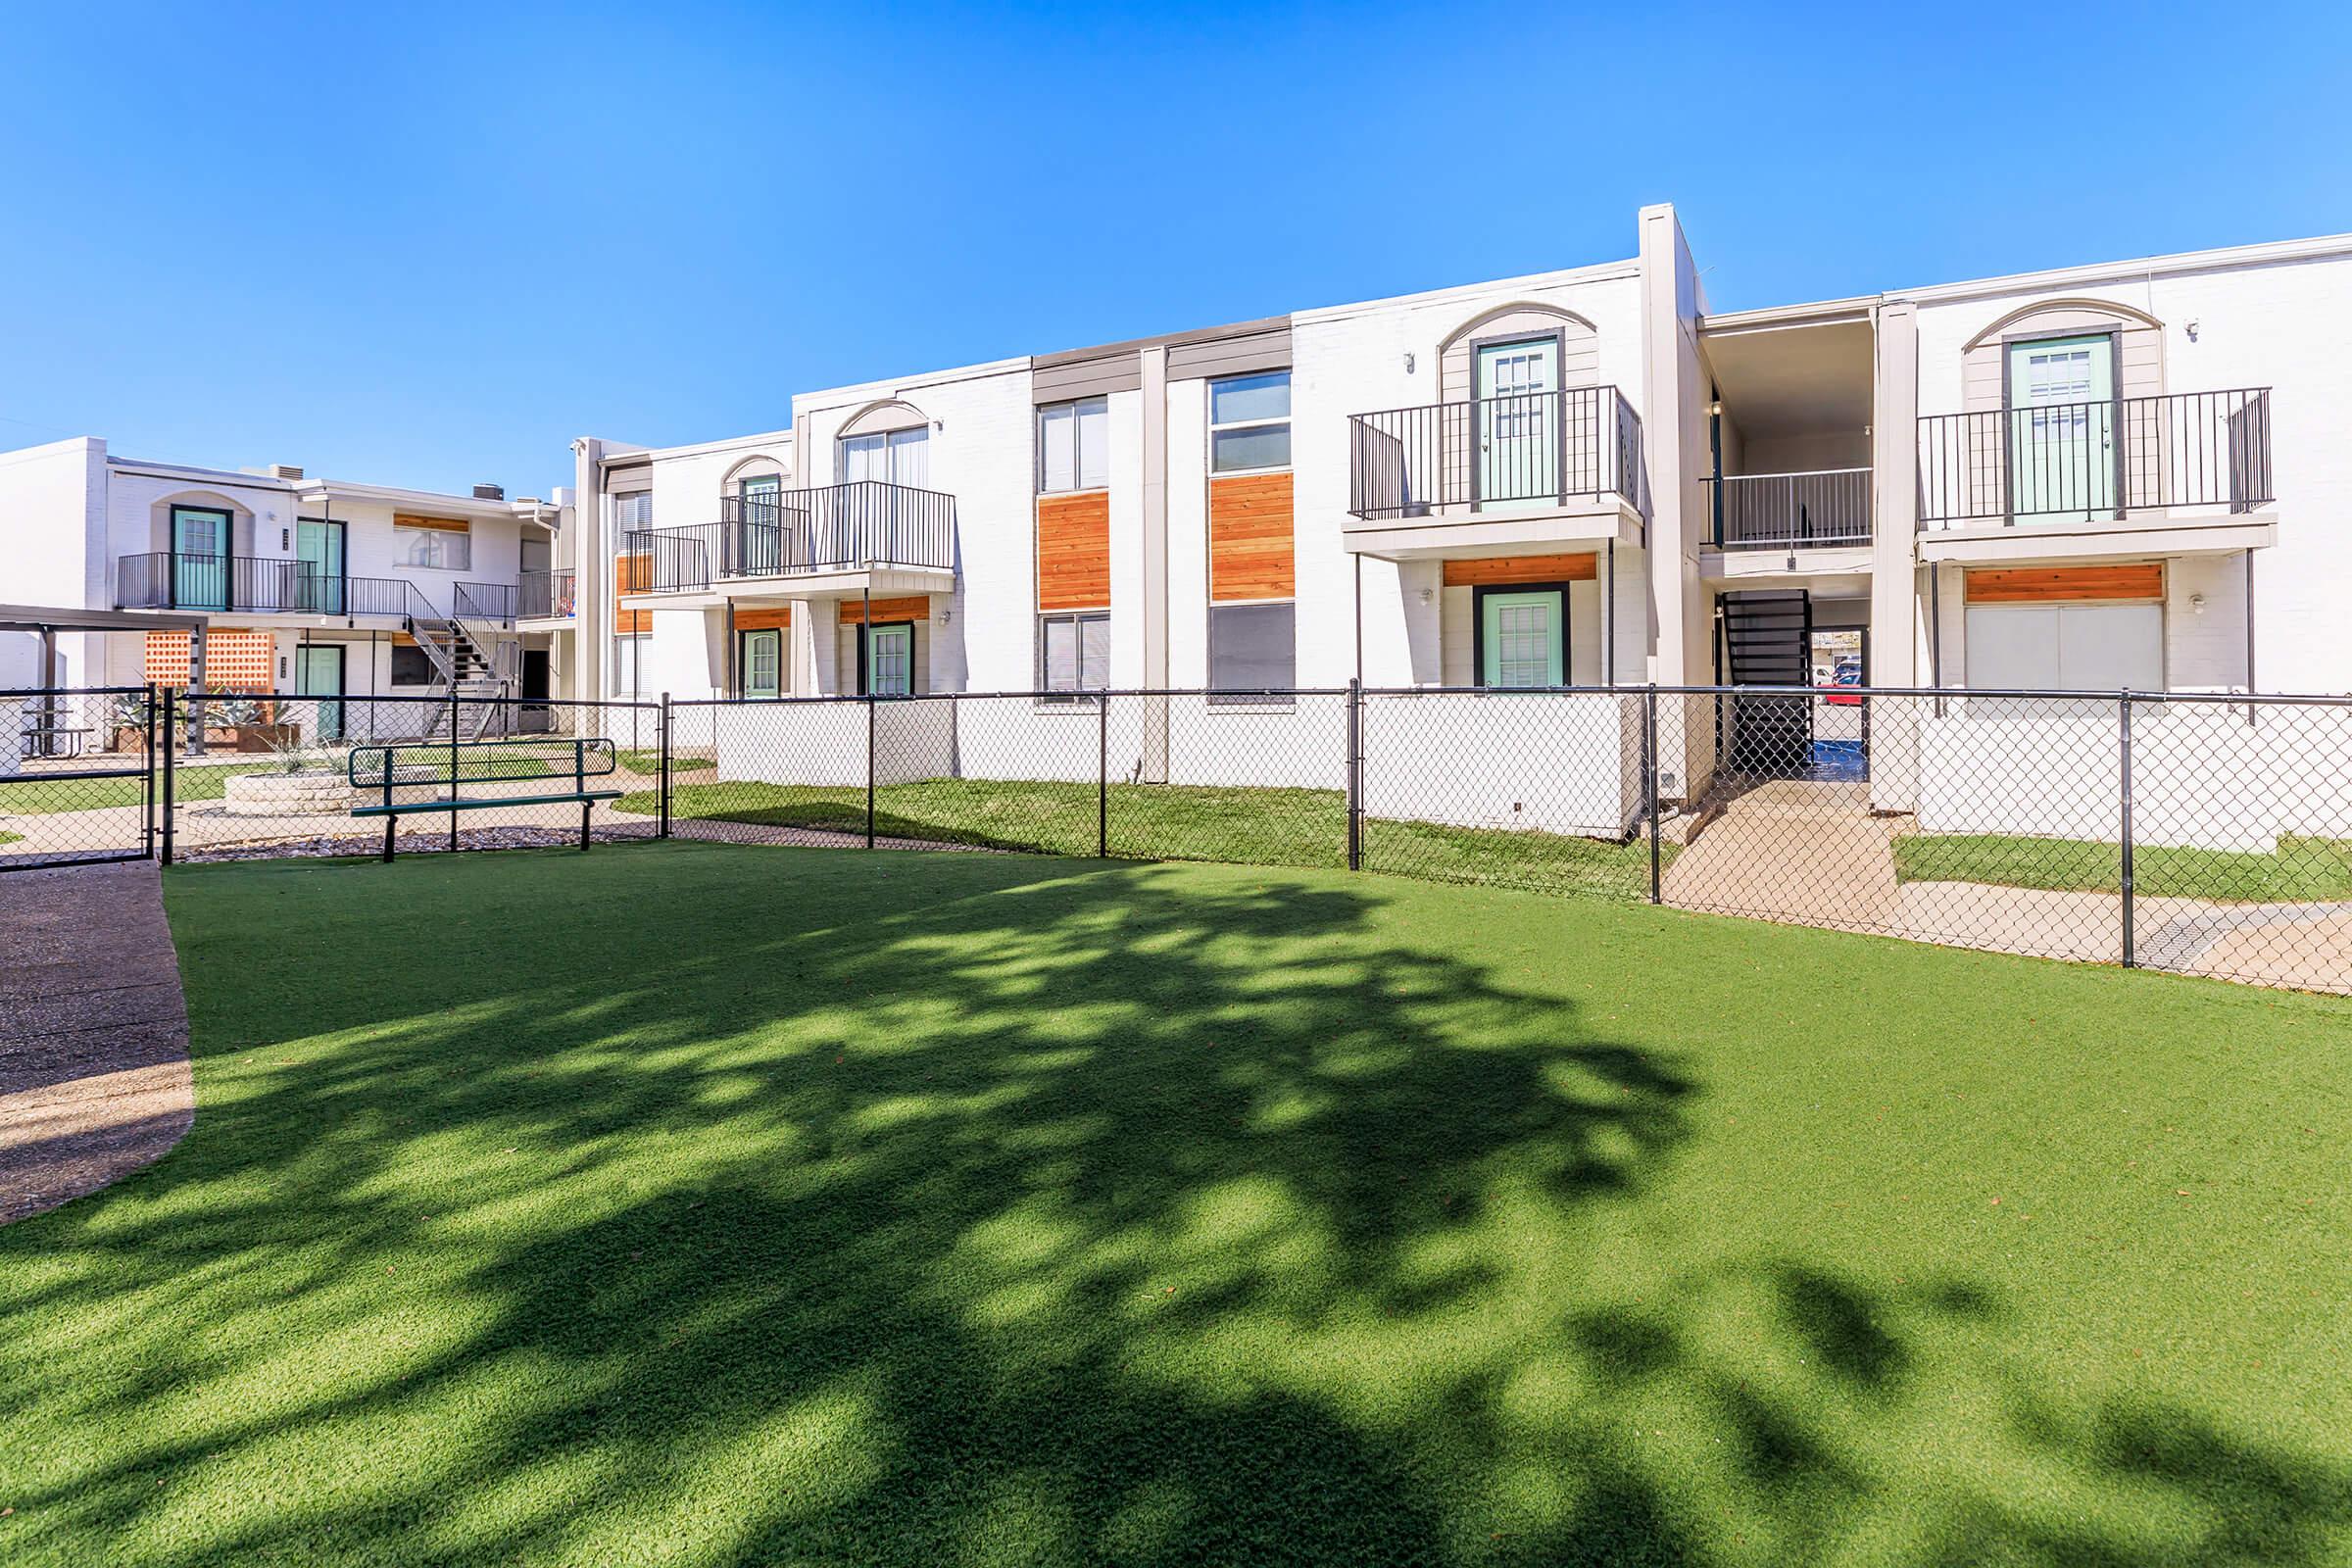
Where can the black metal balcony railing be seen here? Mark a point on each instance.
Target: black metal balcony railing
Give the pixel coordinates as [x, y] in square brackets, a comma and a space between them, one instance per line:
[484, 600]
[251, 584]
[1583, 443]
[2059, 462]
[547, 594]
[1791, 510]
[841, 527]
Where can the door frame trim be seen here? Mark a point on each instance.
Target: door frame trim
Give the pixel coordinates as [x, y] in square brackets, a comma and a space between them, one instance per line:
[743, 662]
[1478, 627]
[228, 550]
[865, 640]
[2112, 332]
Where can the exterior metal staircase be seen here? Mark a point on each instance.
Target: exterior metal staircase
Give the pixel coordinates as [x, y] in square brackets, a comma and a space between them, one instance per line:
[1768, 641]
[466, 655]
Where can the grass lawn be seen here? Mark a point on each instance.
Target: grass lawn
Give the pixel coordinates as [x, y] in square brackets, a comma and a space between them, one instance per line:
[697, 1204]
[649, 762]
[2303, 868]
[30, 794]
[1298, 827]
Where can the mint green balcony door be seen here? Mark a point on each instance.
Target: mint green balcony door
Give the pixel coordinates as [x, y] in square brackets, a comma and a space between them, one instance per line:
[1518, 420]
[199, 559]
[761, 498]
[318, 546]
[2062, 430]
[1523, 639]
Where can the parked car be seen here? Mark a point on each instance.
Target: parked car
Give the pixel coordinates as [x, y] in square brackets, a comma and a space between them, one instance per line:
[1848, 672]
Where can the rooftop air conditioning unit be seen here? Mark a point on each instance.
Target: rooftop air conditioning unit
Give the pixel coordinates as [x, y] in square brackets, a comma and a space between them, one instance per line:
[489, 492]
[285, 470]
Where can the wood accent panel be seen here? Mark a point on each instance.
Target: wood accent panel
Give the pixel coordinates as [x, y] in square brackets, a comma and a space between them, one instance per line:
[631, 574]
[1073, 551]
[404, 519]
[233, 660]
[2025, 585]
[1584, 567]
[1251, 553]
[763, 620]
[914, 607]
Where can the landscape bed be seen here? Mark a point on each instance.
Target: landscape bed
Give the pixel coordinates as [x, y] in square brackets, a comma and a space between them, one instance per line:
[710, 1204]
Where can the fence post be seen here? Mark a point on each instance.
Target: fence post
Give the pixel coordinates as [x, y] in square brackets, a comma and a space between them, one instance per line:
[2130, 958]
[869, 770]
[1649, 778]
[452, 761]
[663, 830]
[1102, 777]
[1355, 773]
[147, 807]
[171, 751]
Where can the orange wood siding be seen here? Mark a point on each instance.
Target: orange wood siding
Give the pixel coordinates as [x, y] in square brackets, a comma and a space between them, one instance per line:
[763, 620]
[916, 607]
[2022, 585]
[1522, 569]
[631, 574]
[233, 660]
[1250, 555]
[1073, 551]
[403, 519]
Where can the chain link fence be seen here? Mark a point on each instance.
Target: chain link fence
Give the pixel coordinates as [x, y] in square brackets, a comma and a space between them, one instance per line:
[2203, 834]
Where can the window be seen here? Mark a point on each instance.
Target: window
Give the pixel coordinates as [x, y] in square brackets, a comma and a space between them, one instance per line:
[2068, 648]
[411, 667]
[1252, 647]
[1073, 653]
[1073, 445]
[1250, 423]
[628, 665]
[892, 457]
[431, 542]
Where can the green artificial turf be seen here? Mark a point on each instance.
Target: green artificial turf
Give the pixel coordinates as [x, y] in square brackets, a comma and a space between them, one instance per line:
[649, 762]
[2302, 869]
[1300, 827]
[695, 1205]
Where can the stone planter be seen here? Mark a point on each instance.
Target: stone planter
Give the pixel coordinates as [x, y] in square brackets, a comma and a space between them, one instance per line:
[289, 794]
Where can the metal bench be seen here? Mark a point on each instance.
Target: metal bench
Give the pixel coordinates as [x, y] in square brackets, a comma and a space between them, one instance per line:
[386, 768]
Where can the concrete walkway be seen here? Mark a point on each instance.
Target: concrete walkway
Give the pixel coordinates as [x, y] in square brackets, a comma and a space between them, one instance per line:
[1804, 850]
[94, 1079]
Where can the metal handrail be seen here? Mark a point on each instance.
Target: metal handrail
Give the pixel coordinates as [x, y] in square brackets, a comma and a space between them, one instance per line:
[862, 524]
[2096, 460]
[1805, 510]
[546, 595]
[1578, 443]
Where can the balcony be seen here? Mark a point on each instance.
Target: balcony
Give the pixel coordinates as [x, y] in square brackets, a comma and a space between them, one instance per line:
[254, 585]
[833, 539]
[1495, 472]
[2179, 459]
[1827, 509]
[547, 594]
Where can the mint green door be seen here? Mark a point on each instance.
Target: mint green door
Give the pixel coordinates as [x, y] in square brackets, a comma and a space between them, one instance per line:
[763, 663]
[318, 547]
[2062, 430]
[199, 559]
[1523, 639]
[319, 673]
[761, 499]
[1518, 423]
[890, 661]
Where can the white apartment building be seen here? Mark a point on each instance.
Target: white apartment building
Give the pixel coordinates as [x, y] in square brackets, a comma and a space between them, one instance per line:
[315, 587]
[2126, 474]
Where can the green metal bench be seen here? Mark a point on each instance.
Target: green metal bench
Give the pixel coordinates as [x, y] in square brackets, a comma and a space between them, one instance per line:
[386, 768]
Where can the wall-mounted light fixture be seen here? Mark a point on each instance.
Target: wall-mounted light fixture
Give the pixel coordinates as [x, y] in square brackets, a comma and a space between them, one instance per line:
[2192, 329]
[1408, 362]
[2196, 603]
[1427, 594]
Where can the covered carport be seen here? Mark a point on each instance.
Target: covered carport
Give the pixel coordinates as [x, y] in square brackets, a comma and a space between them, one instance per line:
[37, 732]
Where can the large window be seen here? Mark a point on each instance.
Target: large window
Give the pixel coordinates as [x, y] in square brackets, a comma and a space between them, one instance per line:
[1252, 647]
[1250, 423]
[1073, 445]
[431, 542]
[1073, 652]
[892, 457]
[411, 667]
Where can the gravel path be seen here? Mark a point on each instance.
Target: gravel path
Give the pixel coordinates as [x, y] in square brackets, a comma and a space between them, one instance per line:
[94, 1080]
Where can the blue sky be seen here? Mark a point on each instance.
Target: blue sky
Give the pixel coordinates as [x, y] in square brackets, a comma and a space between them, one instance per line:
[429, 246]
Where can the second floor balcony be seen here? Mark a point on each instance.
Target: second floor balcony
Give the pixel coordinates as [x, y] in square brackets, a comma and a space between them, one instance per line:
[1569, 451]
[2178, 456]
[256, 585]
[551, 595]
[842, 531]
[1824, 510]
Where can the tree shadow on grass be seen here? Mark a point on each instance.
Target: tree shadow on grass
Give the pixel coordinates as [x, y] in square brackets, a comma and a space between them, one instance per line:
[756, 1207]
